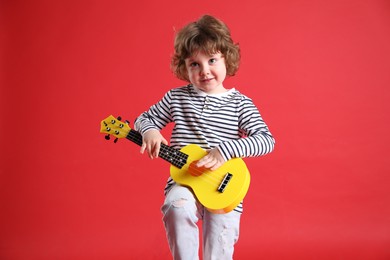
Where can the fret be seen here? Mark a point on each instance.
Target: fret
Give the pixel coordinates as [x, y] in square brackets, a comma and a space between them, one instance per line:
[169, 154]
[173, 156]
[135, 137]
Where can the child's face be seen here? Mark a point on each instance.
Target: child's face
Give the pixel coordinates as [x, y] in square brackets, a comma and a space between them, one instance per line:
[207, 72]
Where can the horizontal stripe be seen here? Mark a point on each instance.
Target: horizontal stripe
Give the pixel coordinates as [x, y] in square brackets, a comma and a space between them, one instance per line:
[230, 122]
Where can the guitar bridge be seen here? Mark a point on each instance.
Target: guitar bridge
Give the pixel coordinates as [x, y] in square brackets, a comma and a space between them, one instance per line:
[225, 182]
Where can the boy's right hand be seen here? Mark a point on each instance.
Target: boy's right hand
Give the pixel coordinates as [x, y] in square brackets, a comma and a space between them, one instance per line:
[151, 142]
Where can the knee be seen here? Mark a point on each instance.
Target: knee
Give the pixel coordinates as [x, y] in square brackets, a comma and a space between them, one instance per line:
[180, 203]
[179, 197]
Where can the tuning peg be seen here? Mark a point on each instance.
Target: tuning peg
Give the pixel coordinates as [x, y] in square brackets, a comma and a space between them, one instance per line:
[107, 137]
[116, 140]
[127, 122]
[119, 118]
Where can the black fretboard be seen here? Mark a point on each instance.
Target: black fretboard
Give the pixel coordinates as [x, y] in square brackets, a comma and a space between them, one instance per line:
[169, 154]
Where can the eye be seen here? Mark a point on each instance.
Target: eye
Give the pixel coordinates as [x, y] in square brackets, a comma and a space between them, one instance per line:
[194, 64]
[213, 60]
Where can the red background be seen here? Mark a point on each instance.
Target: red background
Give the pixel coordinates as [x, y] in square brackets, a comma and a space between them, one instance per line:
[318, 71]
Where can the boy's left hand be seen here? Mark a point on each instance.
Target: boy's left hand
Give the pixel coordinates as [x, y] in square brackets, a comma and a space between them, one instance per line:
[213, 160]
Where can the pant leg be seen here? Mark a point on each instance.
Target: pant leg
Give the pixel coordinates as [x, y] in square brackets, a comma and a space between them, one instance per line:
[180, 217]
[220, 234]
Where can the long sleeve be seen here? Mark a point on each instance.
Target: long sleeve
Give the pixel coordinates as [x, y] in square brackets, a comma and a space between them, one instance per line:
[256, 139]
[229, 121]
[157, 117]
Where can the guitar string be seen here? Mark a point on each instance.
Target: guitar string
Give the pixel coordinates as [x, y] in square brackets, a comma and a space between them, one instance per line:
[203, 174]
[206, 175]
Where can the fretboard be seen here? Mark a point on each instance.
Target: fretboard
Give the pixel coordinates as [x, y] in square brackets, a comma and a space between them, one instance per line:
[169, 154]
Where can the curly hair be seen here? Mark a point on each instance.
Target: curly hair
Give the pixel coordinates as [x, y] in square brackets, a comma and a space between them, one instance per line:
[208, 35]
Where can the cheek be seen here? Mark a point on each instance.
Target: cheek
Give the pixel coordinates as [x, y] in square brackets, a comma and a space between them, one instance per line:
[223, 72]
[191, 74]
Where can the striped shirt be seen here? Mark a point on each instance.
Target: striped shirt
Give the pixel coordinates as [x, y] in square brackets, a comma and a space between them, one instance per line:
[227, 121]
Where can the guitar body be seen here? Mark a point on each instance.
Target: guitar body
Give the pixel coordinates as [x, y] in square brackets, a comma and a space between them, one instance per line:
[206, 184]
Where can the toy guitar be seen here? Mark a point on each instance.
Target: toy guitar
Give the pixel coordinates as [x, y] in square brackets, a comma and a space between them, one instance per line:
[220, 191]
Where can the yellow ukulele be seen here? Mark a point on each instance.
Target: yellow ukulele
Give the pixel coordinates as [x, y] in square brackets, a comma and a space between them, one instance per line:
[220, 191]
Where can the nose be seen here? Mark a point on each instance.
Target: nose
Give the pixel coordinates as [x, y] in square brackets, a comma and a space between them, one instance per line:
[205, 70]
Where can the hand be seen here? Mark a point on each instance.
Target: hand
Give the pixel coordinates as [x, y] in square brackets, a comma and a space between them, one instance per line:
[213, 160]
[151, 142]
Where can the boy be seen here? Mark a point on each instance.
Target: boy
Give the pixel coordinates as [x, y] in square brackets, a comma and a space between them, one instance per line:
[222, 121]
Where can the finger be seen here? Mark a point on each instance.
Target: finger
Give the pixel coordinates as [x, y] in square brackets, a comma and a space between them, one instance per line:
[202, 162]
[207, 162]
[210, 164]
[156, 150]
[216, 166]
[164, 141]
[143, 147]
[151, 151]
[148, 150]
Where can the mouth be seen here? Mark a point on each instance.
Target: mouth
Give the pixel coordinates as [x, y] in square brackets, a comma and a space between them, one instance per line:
[206, 80]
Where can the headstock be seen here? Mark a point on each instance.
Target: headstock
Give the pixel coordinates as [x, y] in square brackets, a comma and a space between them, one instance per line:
[113, 126]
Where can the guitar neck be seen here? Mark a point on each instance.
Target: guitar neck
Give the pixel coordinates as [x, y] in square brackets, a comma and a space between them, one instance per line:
[169, 154]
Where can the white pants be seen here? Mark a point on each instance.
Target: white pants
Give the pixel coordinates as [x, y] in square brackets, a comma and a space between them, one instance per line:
[181, 213]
